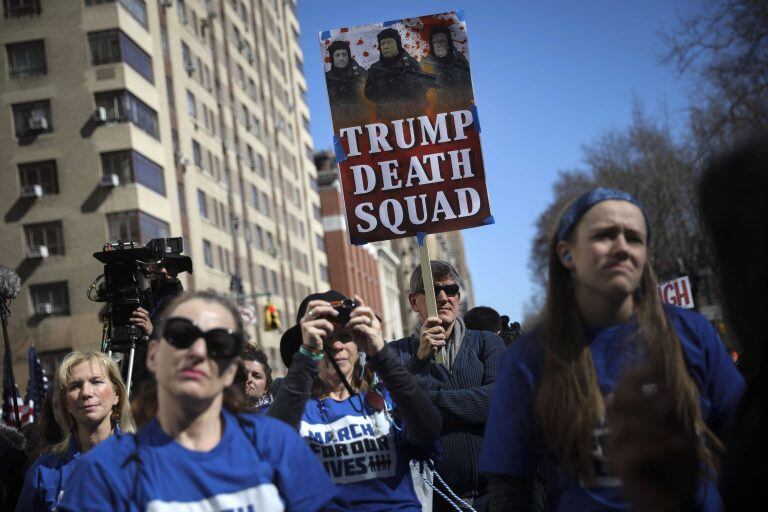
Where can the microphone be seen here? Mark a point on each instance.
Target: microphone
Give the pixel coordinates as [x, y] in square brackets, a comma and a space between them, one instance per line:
[10, 284]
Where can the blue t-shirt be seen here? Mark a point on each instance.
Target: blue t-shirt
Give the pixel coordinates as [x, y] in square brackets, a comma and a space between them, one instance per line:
[260, 464]
[366, 455]
[45, 480]
[513, 441]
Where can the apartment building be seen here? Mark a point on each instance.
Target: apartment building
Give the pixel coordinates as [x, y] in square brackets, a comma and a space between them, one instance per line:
[131, 120]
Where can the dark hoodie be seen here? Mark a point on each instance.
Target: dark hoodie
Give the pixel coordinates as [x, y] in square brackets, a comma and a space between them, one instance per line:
[344, 84]
[452, 70]
[394, 83]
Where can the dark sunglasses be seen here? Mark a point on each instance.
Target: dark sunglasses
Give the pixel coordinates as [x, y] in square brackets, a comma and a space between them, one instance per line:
[221, 343]
[451, 290]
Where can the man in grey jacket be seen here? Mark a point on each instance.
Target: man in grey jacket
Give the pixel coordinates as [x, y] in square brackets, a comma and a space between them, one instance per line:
[461, 388]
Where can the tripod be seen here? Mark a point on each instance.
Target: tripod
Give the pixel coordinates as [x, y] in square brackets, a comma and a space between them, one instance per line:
[126, 345]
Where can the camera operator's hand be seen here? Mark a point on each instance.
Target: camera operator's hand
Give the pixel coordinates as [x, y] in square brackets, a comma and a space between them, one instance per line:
[431, 338]
[315, 326]
[366, 328]
[140, 318]
[160, 273]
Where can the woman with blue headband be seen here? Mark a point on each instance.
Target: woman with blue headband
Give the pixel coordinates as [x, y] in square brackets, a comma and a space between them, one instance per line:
[603, 318]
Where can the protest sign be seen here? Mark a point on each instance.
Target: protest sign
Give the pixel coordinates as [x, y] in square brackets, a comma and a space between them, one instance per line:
[677, 292]
[406, 129]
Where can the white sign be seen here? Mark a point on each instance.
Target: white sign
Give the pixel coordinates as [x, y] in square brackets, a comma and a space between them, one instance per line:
[248, 314]
[677, 292]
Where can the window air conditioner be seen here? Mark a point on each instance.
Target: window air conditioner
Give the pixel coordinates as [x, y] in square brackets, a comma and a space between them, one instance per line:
[166, 3]
[190, 67]
[100, 115]
[31, 191]
[252, 163]
[44, 308]
[183, 161]
[109, 180]
[274, 252]
[38, 123]
[37, 252]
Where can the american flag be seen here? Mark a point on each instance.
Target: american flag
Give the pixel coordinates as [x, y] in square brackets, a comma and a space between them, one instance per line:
[37, 387]
[11, 393]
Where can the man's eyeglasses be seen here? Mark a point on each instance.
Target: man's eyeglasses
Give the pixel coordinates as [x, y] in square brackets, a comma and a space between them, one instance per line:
[221, 343]
[451, 290]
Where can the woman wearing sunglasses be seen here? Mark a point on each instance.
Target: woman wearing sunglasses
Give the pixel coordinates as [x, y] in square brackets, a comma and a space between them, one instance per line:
[200, 452]
[365, 434]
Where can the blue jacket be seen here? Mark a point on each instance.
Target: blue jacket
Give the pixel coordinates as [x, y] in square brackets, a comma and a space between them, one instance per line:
[463, 397]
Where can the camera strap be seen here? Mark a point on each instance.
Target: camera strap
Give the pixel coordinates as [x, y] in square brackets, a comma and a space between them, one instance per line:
[345, 382]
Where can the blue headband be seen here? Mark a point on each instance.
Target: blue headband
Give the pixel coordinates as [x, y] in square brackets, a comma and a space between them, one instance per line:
[589, 199]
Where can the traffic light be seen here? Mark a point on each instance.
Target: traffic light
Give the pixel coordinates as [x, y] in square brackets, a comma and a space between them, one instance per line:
[271, 318]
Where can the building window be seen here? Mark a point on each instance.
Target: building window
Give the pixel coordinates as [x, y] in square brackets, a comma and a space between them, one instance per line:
[110, 46]
[191, 105]
[264, 204]
[136, 226]
[40, 173]
[316, 212]
[56, 295]
[133, 167]
[275, 284]
[207, 253]
[50, 360]
[32, 117]
[26, 59]
[202, 204]
[197, 154]
[264, 277]
[320, 242]
[260, 166]
[249, 156]
[256, 126]
[182, 11]
[255, 198]
[182, 199]
[123, 106]
[258, 238]
[324, 273]
[186, 56]
[136, 8]
[16, 8]
[49, 234]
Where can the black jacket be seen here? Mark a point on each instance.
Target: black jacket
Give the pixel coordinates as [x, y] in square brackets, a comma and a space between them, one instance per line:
[463, 397]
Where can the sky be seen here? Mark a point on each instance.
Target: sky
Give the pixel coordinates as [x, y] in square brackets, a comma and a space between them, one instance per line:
[549, 77]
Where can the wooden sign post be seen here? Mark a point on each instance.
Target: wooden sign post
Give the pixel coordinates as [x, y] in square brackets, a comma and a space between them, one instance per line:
[429, 285]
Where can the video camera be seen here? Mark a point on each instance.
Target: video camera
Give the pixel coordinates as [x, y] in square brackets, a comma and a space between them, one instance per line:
[128, 268]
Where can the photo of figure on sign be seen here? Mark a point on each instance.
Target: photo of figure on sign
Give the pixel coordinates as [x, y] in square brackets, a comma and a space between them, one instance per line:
[407, 140]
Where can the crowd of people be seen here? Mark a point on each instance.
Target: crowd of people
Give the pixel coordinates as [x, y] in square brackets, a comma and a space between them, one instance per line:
[614, 402]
